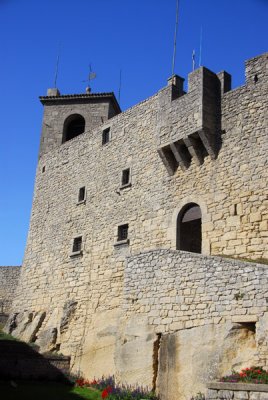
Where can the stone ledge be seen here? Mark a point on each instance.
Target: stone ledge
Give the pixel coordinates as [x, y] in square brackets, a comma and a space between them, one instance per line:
[121, 242]
[244, 319]
[249, 387]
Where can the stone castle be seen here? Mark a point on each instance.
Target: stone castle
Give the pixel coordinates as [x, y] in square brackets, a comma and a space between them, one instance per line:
[137, 222]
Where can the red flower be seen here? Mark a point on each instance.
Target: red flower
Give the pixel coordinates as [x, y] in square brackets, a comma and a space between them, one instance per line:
[109, 389]
[80, 382]
[104, 393]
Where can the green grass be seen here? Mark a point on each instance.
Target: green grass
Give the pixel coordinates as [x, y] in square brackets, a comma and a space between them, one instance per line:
[45, 391]
[92, 394]
[6, 336]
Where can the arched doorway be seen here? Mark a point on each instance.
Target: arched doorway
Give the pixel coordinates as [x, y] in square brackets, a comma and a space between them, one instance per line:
[74, 125]
[189, 228]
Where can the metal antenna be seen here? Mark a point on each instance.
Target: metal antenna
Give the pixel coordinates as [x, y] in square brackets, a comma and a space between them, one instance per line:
[120, 83]
[193, 59]
[57, 68]
[92, 75]
[175, 38]
[200, 46]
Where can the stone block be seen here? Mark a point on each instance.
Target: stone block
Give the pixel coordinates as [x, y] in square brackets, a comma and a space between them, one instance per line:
[31, 330]
[241, 395]
[233, 221]
[229, 235]
[212, 394]
[264, 226]
[47, 338]
[254, 395]
[255, 217]
[225, 394]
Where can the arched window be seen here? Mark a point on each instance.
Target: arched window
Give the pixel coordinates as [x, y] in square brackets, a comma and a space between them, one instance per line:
[74, 125]
[189, 228]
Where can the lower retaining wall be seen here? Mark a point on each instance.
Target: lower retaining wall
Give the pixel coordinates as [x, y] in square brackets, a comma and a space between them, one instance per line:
[196, 311]
[236, 391]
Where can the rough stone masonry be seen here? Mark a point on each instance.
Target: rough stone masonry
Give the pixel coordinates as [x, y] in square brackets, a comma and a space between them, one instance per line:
[132, 213]
[9, 277]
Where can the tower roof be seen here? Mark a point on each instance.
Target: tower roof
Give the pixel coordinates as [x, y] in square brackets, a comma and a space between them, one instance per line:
[66, 98]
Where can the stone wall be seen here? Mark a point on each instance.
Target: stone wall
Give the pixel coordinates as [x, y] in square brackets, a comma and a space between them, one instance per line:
[208, 315]
[241, 391]
[9, 277]
[81, 297]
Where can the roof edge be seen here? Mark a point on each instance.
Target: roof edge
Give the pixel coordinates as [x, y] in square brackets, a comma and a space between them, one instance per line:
[68, 97]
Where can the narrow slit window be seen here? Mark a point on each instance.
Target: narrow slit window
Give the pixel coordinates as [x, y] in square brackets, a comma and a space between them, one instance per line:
[122, 232]
[82, 194]
[125, 176]
[235, 209]
[43, 169]
[105, 136]
[77, 244]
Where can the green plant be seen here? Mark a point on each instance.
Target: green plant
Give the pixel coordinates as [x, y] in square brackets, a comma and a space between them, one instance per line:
[247, 375]
[111, 391]
[239, 296]
[198, 396]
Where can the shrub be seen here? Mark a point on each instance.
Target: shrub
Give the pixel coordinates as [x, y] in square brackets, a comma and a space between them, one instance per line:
[247, 375]
[111, 391]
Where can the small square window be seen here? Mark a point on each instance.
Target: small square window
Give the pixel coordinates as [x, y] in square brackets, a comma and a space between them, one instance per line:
[126, 176]
[105, 136]
[82, 194]
[122, 232]
[77, 245]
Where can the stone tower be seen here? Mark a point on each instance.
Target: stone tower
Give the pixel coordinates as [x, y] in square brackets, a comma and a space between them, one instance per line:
[65, 117]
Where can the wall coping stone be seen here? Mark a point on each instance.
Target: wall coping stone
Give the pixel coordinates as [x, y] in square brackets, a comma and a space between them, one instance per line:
[252, 387]
[219, 258]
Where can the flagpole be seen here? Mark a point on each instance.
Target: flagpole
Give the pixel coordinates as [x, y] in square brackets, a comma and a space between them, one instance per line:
[200, 46]
[193, 59]
[175, 38]
[57, 68]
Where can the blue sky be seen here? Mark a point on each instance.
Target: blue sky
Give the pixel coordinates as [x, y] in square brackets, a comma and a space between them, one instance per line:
[135, 36]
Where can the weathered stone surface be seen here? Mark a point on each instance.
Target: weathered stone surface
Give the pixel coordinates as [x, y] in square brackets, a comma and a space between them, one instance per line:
[191, 296]
[47, 339]
[136, 357]
[241, 395]
[263, 396]
[30, 331]
[190, 358]
[225, 394]
[11, 323]
[68, 312]
[212, 394]
[9, 277]
[254, 396]
[99, 347]
[25, 325]
[21, 322]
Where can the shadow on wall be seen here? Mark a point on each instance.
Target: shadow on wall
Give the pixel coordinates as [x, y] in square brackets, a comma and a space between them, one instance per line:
[20, 361]
[24, 374]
